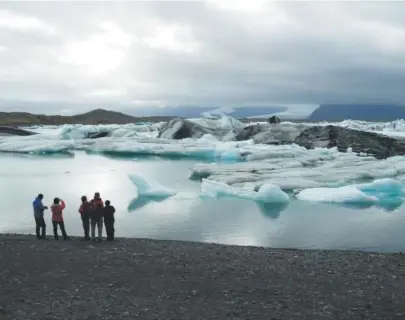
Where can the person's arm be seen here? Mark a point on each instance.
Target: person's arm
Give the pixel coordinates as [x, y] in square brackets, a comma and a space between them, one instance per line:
[112, 209]
[81, 208]
[41, 206]
[63, 204]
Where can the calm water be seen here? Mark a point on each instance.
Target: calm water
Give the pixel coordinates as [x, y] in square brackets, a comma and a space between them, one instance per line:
[229, 221]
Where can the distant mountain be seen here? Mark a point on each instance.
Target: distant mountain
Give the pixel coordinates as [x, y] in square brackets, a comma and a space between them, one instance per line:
[365, 112]
[196, 112]
[98, 116]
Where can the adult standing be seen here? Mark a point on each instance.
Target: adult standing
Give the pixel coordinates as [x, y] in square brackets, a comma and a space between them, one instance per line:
[96, 217]
[57, 218]
[39, 209]
[85, 212]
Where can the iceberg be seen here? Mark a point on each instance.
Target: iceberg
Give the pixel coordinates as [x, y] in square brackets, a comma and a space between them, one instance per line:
[292, 168]
[150, 188]
[379, 192]
[31, 145]
[78, 131]
[219, 121]
[206, 148]
[268, 193]
[234, 163]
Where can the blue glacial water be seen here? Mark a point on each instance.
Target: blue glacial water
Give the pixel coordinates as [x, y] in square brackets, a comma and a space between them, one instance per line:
[300, 224]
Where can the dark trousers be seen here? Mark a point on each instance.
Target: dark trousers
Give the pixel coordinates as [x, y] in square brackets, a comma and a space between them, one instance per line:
[40, 224]
[62, 228]
[97, 222]
[109, 228]
[86, 225]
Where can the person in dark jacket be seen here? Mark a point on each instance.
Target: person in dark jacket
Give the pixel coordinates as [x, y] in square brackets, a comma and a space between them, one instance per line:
[39, 209]
[96, 216]
[109, 220]
[85, 211]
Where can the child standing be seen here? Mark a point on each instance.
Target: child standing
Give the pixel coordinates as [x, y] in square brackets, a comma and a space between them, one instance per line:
[109, 220]
[57, 218]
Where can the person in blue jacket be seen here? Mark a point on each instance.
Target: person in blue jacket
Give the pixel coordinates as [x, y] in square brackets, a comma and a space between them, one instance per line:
[39, 209]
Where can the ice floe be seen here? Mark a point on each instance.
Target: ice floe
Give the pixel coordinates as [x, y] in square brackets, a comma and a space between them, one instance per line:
[147, 187]
[379, 192]
[268, 193]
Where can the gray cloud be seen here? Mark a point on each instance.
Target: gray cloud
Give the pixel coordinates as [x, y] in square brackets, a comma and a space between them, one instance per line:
[74, 54]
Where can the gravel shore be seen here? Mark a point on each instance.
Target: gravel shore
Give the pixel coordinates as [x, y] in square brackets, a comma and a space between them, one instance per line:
[148, 279]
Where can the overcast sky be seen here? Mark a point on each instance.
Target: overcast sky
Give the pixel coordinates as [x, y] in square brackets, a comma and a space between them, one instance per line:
[233, 53]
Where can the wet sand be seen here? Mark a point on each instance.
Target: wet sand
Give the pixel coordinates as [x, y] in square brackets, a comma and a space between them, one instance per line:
[148, 279]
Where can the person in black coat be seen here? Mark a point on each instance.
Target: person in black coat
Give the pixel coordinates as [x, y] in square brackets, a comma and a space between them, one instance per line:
[109, 220]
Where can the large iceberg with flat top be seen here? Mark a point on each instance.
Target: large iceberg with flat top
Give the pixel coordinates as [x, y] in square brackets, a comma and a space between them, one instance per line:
[291, 168]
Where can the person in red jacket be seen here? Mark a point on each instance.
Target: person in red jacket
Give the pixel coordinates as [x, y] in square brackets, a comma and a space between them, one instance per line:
[85, 211]
[96, 216]
[57, 217]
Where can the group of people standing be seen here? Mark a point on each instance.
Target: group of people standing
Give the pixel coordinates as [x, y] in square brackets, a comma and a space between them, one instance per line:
[93, 214]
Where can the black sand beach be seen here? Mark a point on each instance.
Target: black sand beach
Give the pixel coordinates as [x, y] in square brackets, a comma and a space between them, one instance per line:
[147, 279]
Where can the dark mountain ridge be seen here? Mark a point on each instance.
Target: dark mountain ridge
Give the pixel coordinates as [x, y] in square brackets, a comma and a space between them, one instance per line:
[98, 116]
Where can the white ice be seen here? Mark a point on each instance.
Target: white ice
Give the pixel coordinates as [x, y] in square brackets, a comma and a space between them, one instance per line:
[292, 167]
[289, 166]
[31, 144]
[224, 122]
[268, 193]
[207, 147]
[376, 192]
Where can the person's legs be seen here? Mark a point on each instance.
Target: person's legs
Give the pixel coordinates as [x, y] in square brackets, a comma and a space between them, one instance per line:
[93, 229]
[55, 229]
[38, 227]
[86, 226]
[107, 229]
[62, 228]
[100, 229]
[112, 229]
[43, 226]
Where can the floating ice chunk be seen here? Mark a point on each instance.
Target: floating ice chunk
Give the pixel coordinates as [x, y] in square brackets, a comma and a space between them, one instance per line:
[208, 138]
[78, 131]
[230, 123]
[223, 122]
[378, 192]
[150, 188]
[383, 188]
[268, 193]
[346, 194]
[288, 184]
[312, 168]
[208, 149]
[34, 145]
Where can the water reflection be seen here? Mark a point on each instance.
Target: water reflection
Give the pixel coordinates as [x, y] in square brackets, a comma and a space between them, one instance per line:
[386, 205]
[272, 210]
[140, 202]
